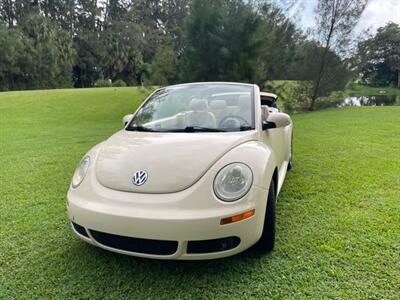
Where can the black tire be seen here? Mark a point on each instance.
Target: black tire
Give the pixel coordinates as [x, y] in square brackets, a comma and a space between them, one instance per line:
[290, 164]
[267, 240]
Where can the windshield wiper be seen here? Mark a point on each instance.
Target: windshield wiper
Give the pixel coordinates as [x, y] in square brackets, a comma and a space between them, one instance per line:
[196, 129]
[245, 128]
[141, 128]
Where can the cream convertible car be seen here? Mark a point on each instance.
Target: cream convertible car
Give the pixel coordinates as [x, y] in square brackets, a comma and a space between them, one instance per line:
[193, 175]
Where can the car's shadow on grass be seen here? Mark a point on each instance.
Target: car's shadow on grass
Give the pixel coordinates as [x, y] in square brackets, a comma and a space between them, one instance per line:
[116, 274]
[114, 262]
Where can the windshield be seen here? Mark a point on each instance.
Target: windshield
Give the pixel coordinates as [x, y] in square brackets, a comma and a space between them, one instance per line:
[214, 107]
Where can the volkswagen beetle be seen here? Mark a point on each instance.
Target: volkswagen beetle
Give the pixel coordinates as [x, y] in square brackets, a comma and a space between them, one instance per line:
[194, 174]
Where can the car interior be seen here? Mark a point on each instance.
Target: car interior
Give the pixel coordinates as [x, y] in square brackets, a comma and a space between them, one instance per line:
[218, 110]
[215, 110]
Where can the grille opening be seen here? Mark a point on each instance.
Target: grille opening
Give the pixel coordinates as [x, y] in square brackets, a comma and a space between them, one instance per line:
[216, 245]
[132, 244]
[80, 229]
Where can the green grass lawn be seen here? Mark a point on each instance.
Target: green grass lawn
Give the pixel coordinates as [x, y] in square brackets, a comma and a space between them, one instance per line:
[338, 216]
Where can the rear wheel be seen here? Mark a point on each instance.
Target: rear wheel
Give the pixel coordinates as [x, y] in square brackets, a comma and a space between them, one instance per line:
[267, 240]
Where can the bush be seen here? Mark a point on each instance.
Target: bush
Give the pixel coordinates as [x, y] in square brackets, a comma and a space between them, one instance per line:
[332, 100]
[292, 95]
[102, 83]
[119, 83]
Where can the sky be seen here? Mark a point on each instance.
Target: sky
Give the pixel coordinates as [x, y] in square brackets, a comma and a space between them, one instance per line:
[376, 14]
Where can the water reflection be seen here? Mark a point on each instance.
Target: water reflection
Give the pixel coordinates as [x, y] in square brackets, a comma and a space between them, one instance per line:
[373, 100]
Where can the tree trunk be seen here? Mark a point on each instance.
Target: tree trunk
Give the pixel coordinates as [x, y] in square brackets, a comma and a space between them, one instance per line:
[81, 77]
[10, 14]
[324, 55]
[314, 95]
[312, 103]
[398, 78]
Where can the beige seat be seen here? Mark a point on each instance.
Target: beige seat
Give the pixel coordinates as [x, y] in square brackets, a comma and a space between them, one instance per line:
[200, 114]
[219, 109]
[244, 107]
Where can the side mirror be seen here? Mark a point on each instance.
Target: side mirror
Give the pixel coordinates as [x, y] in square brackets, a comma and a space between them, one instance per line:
[276, 120]
[126, 119]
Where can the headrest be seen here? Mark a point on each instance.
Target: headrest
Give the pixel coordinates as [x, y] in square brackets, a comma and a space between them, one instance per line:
[198, 104]
[244, 101]
[218, 104]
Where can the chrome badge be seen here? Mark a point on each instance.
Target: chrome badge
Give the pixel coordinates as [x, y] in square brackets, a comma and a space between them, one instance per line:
[139, 178]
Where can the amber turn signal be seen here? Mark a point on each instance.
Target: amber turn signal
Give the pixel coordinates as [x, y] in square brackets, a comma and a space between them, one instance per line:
[238, 218]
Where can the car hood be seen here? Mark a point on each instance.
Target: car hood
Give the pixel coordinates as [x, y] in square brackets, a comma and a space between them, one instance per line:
[173, 161]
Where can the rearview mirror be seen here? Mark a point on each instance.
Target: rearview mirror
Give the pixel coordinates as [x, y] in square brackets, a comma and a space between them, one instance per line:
[126, 119]
[276, 120]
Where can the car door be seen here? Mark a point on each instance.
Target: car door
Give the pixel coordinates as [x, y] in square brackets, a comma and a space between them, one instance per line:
[277, 138]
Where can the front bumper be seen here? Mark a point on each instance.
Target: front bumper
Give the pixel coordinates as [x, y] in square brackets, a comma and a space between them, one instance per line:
[186, 219]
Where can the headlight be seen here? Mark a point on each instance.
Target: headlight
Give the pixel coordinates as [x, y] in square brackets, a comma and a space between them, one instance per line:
[233, 182]
[80, 172]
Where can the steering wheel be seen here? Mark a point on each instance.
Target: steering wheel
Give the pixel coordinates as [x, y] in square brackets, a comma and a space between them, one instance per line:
[233, 121]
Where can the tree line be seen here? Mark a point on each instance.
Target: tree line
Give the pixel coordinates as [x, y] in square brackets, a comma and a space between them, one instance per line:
[85, 43]
[378, 57]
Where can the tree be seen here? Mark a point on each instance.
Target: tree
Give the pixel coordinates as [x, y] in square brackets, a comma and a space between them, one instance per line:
[49, 53]
[281, 37]
[174, 13]
[7, 13]
[164, 41]
[124, 45]
[379, 57]
[335, 21]
[87, 43]
[163, 66]
[11, 45]
[90, 58]
[306, 69]
[36, 54]
[222, 42]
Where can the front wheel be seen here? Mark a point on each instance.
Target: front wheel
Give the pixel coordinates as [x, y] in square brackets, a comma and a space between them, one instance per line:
[267, 240]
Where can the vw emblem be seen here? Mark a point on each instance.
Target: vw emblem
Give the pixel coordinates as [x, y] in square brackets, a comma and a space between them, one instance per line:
[139, 177]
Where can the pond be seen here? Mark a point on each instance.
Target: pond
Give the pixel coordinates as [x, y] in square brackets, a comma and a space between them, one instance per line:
[372, 100]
